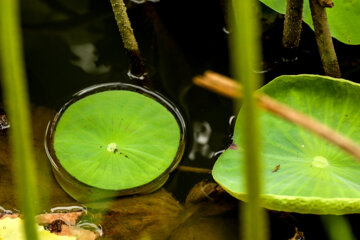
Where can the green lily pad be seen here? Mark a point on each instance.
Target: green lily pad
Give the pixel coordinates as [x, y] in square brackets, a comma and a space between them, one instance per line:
[343, 18]
[117, 139]
[301, 171]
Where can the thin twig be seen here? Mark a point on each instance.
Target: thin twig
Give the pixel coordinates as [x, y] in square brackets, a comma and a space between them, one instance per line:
[193, 169]
[292, 24]
[323, 37]
[225, 86]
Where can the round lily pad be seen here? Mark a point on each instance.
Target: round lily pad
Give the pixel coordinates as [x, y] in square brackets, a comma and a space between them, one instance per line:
[343, 18]
[117, 139]
[301, 171]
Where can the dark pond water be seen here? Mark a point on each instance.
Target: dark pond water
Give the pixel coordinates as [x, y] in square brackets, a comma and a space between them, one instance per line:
[70, 45]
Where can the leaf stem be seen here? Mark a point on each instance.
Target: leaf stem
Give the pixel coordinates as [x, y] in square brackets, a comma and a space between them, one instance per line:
[323, 37]
[193, 169]
[292, 24]
[225, 86]
[130, 44]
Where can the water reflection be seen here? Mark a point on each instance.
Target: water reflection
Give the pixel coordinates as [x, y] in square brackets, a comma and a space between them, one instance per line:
[87, 59]
[201, 136]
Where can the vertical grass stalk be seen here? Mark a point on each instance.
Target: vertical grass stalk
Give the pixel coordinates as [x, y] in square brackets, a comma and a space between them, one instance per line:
[337, 227]
[16, 102]
[245, 46]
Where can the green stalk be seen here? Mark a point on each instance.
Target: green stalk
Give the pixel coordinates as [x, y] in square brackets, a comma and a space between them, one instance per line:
[245, 46]
[17, 107]
[337, 227]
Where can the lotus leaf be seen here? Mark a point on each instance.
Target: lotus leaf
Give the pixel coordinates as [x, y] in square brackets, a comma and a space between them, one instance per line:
[301, 171]
[116, 139]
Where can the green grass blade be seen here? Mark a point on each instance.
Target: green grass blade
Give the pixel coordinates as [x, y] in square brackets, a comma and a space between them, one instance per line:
[16, 99]
[337, 227]
[245, 57]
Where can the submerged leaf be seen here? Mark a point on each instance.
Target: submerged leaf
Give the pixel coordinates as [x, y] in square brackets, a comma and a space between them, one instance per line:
[302, 172]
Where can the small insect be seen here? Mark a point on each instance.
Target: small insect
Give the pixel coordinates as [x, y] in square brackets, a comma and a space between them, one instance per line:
[276, 168]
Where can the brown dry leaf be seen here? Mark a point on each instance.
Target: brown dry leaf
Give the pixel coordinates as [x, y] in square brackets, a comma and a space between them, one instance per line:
[159, 216]
[8, 216]
[68, 218]
[66, 224]
[151, 216]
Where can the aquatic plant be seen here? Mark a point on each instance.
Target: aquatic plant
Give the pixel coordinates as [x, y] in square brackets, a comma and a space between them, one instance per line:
[302, 172]
[118, 138]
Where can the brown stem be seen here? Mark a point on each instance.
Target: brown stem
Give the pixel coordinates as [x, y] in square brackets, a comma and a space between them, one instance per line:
[323, 38]
[130, 44]
[292, 24]
[226, 86]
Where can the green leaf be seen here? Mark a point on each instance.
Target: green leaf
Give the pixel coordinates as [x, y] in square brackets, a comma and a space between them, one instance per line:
[302, 172]
[343, 18]
[116, 139]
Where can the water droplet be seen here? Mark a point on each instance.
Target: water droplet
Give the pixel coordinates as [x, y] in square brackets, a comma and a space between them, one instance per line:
[320, 162]
[112, 147]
